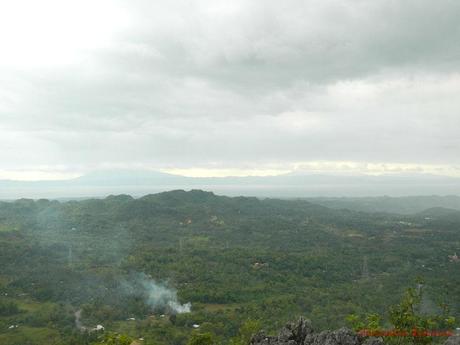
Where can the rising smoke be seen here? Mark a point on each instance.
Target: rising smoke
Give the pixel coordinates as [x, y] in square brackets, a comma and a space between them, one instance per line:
[158, 296]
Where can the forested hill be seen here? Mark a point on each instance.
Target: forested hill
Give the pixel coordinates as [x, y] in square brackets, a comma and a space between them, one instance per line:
[397, 205]
[233, 259]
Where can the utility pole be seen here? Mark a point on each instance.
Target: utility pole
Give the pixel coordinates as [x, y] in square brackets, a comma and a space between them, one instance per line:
[69, 257]
[365, 269]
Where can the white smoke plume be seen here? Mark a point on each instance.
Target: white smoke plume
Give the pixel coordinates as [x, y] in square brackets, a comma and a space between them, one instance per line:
[180, 308]
[157, 296]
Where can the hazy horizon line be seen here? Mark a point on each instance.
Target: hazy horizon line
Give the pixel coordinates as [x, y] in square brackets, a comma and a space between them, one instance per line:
[310, 168]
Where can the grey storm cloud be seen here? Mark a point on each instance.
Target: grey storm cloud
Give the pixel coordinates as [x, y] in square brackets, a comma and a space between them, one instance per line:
[235, 83]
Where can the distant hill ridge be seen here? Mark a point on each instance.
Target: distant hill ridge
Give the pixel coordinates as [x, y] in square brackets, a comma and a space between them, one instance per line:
[401, 205]
[331, 187]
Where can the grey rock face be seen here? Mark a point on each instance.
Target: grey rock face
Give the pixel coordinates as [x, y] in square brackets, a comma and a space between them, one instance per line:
[301, 333]
[373, 341]
[292, 334]
[343, 336]
[454, 340]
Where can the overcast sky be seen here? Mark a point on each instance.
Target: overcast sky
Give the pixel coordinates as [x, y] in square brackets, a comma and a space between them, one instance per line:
[229, 87]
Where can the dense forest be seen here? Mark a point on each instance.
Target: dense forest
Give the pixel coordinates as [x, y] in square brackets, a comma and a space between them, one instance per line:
[163, 267]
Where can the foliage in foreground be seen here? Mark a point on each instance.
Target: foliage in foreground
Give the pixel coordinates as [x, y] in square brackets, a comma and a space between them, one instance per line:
[114, 339]
[409, 325]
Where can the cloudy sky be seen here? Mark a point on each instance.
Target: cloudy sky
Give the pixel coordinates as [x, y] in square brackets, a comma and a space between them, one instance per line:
[229, 87]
